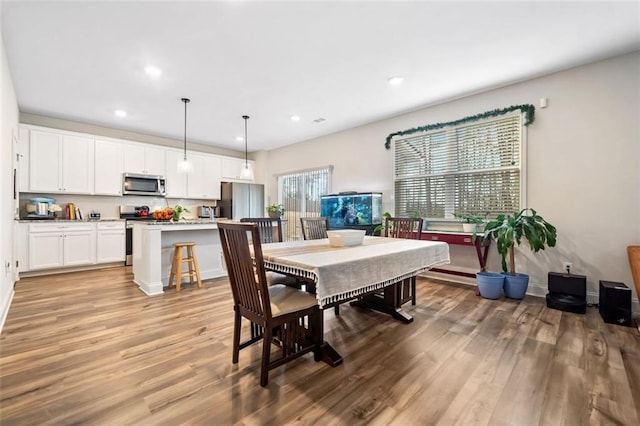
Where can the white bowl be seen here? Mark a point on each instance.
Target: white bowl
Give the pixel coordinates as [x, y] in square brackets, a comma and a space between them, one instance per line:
[346, 237]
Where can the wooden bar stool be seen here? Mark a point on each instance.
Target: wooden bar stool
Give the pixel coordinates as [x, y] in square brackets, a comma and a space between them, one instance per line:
[176, 264]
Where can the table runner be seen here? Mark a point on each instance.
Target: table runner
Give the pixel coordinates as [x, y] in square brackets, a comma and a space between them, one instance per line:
[342, 273]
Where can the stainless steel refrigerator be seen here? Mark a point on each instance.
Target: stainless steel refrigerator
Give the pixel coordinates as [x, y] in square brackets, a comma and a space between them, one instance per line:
[240, 200]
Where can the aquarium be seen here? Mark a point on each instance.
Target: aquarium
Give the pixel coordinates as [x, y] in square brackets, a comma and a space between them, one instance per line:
[352, 210]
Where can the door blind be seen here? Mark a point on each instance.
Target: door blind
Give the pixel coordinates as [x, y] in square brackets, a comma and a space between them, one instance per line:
[300, 195]
[465, 168]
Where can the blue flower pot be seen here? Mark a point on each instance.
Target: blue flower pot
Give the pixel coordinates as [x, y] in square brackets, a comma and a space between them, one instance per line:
[490, 284]
[515, 286]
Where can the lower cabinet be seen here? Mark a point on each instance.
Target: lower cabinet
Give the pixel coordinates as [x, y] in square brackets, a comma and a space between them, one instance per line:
[59, 245]
[111, 242]
[66, 244]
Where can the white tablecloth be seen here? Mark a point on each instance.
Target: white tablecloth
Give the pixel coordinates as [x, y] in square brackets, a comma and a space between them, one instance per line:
[341, 273]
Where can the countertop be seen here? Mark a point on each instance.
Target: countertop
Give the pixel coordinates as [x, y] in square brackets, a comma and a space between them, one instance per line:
[66, 220]
[180, 222]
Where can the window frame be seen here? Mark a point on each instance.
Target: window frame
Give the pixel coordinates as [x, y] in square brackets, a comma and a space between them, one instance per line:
[450, 204]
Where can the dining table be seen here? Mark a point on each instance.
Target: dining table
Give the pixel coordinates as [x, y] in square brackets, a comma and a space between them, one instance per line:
[377, 268]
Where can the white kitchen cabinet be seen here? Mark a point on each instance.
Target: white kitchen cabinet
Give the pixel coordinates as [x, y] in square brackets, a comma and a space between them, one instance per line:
[60, 245]
[231, 169]
[60, 163]
[110, 242]
[109, 166]
[204, 181]
[145, 159]
[22, 246]
[176, 182]
[45, 162]
[23, 159]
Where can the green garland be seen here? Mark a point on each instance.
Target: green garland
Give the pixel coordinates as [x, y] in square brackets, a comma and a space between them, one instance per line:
[528, 109]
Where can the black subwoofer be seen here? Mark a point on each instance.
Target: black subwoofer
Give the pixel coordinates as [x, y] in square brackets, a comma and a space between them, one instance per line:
[615, 303]
[567, 292]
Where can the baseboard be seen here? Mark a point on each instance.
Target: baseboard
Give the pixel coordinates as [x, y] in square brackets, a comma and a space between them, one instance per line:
[4, 309]
[41, 272]
[534, 289]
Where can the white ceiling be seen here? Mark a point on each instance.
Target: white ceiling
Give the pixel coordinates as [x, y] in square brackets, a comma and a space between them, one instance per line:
[83, 60]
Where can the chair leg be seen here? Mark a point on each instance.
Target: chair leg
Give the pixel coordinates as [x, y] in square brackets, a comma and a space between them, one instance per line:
[266, 354]
[190, 264]
[173, 270]
[237, 319]
[197, 268]
[178, 257]
[336, 310]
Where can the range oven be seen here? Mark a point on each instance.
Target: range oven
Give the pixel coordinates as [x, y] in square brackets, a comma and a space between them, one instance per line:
[132, 214]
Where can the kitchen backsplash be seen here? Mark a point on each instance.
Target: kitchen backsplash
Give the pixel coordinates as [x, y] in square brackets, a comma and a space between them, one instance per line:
[108, 206]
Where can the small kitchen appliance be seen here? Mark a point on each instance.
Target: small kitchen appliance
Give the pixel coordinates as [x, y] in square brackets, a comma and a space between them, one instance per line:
[38, 208]
[208, 212]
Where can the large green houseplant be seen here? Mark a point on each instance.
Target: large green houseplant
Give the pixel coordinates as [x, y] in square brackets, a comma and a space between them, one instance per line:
[510, 230]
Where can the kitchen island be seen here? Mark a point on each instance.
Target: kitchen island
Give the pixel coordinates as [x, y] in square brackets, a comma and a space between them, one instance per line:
[153, 251]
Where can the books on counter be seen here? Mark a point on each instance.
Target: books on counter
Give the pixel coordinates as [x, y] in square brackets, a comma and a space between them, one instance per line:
[73, 213]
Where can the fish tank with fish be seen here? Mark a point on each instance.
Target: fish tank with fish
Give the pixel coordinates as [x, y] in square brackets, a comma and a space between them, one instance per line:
[352, 210]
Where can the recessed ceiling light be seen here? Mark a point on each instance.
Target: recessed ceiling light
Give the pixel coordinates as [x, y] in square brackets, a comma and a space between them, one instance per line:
[239, 139]
[120, 113]
[153, 71]
[295, 118]
[395, 80]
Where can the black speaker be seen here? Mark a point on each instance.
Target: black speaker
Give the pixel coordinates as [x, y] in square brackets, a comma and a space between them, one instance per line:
[615, 303]
[567, 292]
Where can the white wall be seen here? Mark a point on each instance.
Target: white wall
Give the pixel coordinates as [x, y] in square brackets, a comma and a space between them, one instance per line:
[8, 125]
[583, 165]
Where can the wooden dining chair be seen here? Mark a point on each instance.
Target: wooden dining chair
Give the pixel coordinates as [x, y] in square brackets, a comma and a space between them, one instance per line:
[270, 230]
[408, 228]
[314, 228]
[279, 315]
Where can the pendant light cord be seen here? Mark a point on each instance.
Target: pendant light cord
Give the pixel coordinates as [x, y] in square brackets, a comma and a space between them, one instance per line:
[246, 161]
[186, 101]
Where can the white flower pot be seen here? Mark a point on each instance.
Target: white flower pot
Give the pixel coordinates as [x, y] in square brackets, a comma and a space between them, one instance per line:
[468, 227]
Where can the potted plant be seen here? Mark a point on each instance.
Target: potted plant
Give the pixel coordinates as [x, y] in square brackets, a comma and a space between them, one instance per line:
[470, 220]
[509, 230]
[275, 210]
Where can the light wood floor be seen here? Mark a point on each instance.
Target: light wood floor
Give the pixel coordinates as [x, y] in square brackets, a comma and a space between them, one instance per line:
[90, 348]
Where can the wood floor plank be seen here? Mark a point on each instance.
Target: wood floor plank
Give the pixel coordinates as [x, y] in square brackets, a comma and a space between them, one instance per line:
[90, 348]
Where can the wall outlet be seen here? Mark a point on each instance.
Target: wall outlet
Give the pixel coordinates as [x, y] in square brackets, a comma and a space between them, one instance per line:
[567, 267]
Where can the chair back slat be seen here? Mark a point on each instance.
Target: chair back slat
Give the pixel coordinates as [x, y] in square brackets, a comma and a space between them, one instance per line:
[270, 228]
[403, 227]
[314, 228]
[246, 272]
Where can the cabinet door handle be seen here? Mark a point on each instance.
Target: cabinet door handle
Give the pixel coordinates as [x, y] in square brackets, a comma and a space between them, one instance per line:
[467, 240]
[434, 237]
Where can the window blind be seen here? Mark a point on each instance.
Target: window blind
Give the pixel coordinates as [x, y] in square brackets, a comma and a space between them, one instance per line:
[466, 168]
[300, 195]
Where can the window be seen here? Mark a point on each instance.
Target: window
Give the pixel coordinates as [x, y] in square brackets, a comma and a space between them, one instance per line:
[472, 167]
[299, 193]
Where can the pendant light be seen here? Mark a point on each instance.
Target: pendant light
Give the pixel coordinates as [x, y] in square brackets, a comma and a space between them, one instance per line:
[184, 165]
[245, 171]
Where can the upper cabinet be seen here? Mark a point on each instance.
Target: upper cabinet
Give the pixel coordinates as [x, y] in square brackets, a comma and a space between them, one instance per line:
[231, 168]
[53, 161]
[176, 182]
[60, 163]
[204, 181]
[145, 159]
[109, 166]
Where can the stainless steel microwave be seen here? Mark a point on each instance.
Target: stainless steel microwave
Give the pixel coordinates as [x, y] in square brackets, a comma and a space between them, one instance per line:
[136, 184]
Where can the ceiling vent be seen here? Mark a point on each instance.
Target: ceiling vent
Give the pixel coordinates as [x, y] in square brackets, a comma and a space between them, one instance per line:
[319, 120]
